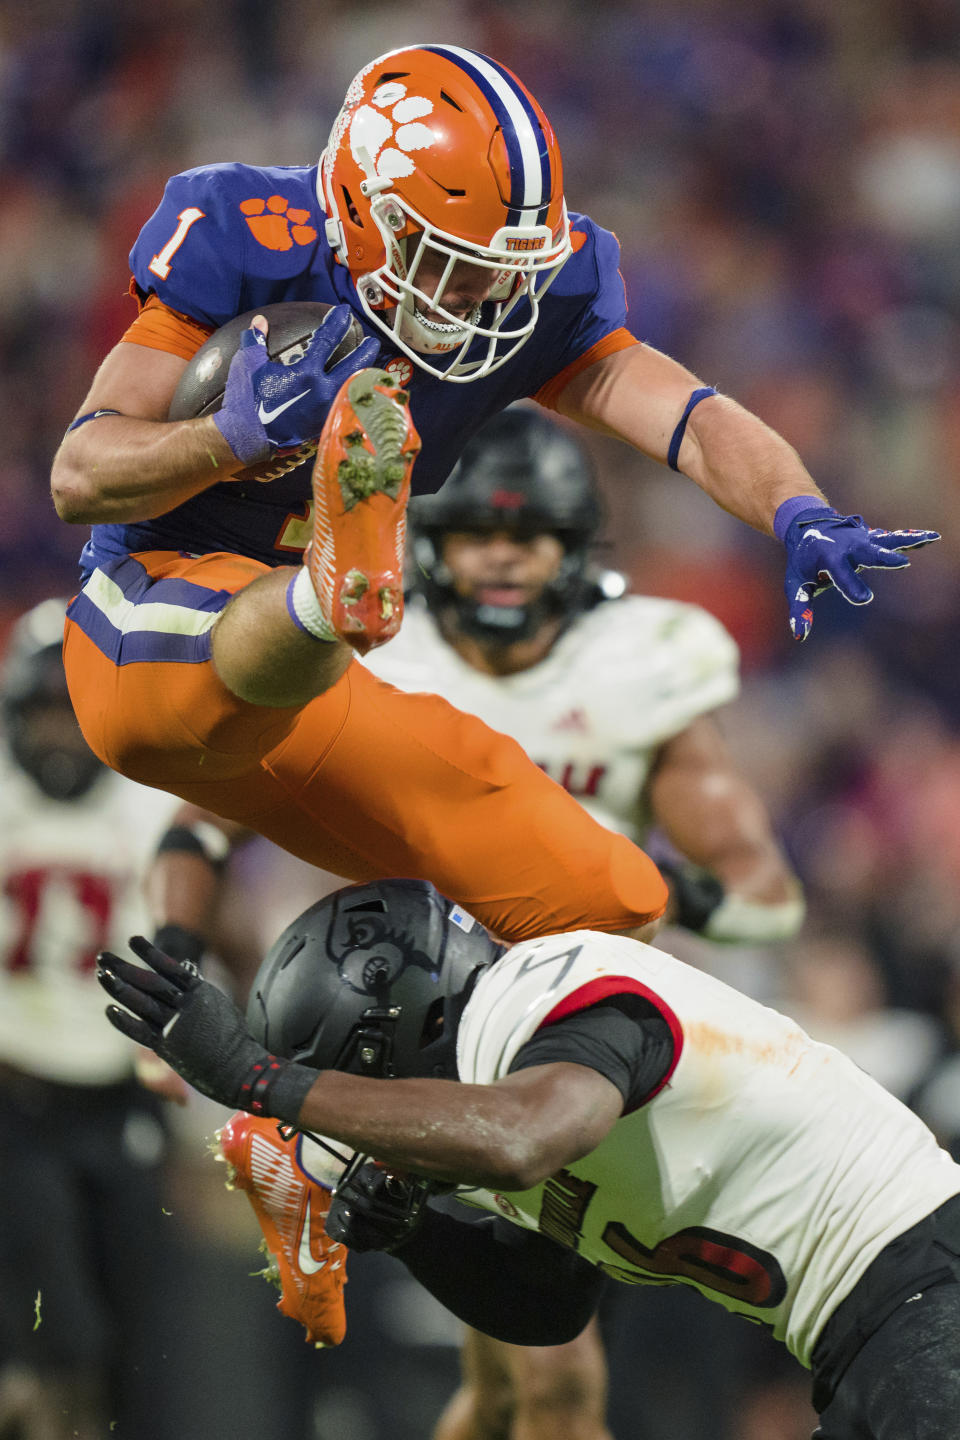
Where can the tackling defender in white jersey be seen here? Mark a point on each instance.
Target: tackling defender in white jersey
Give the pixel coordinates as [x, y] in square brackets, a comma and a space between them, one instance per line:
[617, 1114]
[611, 695]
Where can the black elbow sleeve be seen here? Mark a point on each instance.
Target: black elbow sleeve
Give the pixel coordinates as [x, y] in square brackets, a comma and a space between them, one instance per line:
[509, 1283]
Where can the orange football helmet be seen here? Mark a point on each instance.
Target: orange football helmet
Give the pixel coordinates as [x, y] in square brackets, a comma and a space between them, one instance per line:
[442, 165]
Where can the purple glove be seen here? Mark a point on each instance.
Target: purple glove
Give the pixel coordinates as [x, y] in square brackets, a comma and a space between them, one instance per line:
[269, 406]
[826, 548]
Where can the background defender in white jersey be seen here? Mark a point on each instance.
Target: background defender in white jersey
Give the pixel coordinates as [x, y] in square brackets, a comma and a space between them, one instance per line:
[610, 694]
[620, 1116]
[81, 1143]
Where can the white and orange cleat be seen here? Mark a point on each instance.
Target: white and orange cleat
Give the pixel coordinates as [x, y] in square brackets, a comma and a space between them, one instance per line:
[311, 1269]
[361, 485]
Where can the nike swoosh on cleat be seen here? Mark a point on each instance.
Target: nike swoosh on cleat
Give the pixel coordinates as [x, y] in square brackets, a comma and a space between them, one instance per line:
[305, 1259]
[265, 416]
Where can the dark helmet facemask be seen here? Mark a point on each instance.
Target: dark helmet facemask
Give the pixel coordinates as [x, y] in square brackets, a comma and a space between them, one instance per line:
[61, 772]
[41, 731]
[522, 472]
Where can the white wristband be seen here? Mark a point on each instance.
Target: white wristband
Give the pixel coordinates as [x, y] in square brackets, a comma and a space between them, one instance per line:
[737, 921]
[304, 607]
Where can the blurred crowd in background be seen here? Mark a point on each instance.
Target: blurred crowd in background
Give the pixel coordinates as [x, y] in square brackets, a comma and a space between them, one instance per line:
[784, 180]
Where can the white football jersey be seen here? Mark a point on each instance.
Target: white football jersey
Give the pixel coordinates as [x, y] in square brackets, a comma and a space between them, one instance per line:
[625, 677]
[767, 1172]
[70, 885]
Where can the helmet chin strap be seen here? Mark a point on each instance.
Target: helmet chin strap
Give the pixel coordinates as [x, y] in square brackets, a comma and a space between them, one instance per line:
[428, 337]
[561, 598]
[374, 184]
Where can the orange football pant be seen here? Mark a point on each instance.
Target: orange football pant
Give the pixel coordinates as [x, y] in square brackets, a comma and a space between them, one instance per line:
[365, 781]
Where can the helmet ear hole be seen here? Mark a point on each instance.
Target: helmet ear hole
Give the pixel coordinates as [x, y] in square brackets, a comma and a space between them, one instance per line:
[432, 1023]
[351, 209]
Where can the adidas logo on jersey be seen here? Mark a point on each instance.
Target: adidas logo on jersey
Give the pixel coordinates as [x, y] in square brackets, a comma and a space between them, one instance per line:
[574, 720]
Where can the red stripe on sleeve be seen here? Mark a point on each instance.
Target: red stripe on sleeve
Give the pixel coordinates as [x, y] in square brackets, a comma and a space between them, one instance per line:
[601, 989]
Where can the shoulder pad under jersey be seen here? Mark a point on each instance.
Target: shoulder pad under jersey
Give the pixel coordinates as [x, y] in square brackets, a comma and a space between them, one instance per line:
[514, 997]
[220, 229]
[661, 663]
[592, 275]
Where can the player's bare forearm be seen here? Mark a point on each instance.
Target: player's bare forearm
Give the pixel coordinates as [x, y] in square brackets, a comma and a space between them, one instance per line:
[182, 890]
[740, 849]
[715, 817]
[134, 464]
[118, 468]
[183, 887]
[507, 1136]
[747, 468]
[640, 395]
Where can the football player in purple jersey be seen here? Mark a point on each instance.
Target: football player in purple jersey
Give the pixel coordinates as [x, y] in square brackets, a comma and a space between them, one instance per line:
[203, 656]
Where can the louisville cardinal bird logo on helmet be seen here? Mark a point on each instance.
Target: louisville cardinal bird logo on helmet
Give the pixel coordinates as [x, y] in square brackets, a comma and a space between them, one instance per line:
[442, 178]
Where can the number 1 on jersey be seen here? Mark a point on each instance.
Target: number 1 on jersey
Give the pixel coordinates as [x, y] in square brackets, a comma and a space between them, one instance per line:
[160, 264]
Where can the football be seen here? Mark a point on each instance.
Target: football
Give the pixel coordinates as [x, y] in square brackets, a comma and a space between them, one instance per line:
[292, 325]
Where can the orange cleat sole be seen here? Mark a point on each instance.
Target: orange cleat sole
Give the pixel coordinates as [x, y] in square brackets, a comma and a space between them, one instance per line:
[361, 485]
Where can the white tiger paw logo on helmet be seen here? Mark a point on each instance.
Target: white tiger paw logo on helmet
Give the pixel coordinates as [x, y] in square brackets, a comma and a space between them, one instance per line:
[371, 129]
[401, 369]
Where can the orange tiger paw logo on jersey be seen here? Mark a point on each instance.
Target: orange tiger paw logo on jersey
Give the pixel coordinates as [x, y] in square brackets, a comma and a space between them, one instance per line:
[274, 225]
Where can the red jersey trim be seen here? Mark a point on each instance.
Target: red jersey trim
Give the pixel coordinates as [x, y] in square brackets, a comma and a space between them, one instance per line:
[548, 395]
[596, 990]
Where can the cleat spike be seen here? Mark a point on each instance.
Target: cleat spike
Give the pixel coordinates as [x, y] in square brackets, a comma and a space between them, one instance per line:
[361, 484]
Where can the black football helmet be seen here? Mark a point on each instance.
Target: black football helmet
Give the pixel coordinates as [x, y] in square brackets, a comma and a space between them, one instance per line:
[371, 980]
[41, 729]
[524, 472]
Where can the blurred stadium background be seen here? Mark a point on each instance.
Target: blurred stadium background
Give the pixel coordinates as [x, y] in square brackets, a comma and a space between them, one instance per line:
[784, 179]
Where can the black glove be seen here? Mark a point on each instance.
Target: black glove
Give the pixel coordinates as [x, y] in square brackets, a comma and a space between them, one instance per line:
[372, 1209]
[198, 1031]
[694, 894]
[180, 943]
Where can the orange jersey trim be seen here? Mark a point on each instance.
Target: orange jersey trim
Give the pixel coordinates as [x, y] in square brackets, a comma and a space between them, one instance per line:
[160, 328]
[548, 395]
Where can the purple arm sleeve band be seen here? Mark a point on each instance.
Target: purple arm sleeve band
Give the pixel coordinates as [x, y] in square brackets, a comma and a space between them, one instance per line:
[91, 415]
[677, 437]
